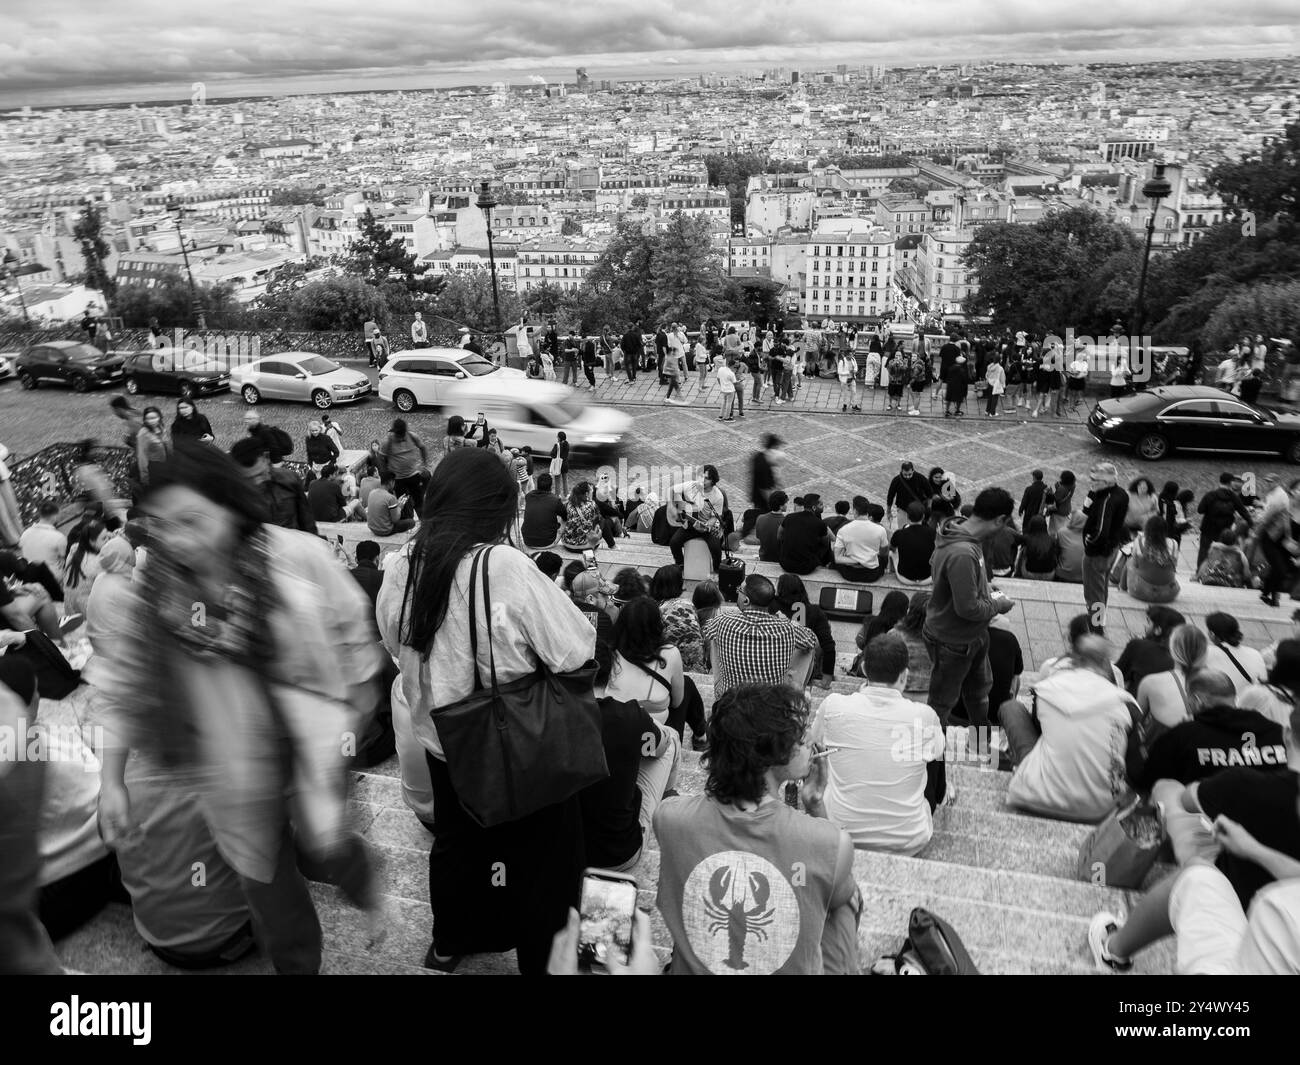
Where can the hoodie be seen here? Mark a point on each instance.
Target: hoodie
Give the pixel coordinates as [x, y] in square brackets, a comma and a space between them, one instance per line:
[960, 606]
[1217, 738]
[1103, 532]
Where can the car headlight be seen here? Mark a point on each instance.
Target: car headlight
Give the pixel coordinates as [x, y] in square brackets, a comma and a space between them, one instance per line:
[1111, 423]
[341, 388]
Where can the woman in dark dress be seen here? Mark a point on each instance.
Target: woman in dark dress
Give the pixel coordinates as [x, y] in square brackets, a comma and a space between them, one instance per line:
[189, 423]
[958, 384]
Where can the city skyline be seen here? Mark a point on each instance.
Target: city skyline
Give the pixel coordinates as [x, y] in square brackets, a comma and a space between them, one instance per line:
[64, 52]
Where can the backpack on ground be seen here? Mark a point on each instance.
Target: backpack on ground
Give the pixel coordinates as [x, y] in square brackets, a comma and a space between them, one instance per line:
[932, 948]
[661, 532]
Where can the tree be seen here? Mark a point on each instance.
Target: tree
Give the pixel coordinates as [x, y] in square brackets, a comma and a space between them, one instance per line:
[1064, 271]
[337, 303]
[687, 278]
[467, 300]
[752, 299]
[866, 162]
[89, 233]
[547, 301]
[622, 277]
[734, 171]
[1273, 310]
[571, 227]
[377, 255]
[169, 301]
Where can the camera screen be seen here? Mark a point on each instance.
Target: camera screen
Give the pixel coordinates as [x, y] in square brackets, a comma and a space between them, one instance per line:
[606, 919]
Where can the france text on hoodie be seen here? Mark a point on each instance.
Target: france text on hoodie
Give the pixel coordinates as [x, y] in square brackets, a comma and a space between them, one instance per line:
[960, 606]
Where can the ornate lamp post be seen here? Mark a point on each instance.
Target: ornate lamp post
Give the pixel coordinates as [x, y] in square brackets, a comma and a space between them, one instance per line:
[174, 208]
[486, 201]
[1157, 187]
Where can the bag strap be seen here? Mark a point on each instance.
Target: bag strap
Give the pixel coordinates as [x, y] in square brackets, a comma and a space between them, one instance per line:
[487, 605]
[654, 673]
[473, 620]
[1233, 659]
[1182, 688]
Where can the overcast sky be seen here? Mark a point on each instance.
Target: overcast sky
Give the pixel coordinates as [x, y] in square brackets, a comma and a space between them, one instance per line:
[68, 50]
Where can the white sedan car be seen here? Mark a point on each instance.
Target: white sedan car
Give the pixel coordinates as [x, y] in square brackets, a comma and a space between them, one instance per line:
[7, 364]
[299, 375]
[530, 413]
[422, 377]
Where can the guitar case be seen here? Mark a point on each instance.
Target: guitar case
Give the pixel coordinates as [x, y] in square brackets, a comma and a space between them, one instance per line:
[661, 532]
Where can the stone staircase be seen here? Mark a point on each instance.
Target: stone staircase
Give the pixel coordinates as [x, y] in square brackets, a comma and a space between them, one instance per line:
[1004, 880]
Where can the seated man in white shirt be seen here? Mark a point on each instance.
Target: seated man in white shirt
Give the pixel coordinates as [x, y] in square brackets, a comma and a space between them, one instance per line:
[879, 745]
[862, 546]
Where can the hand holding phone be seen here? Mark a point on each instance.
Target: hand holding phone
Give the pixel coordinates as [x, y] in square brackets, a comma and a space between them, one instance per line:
[606, 913]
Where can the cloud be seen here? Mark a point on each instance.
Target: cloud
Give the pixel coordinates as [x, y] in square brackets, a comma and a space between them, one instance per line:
[65, 45]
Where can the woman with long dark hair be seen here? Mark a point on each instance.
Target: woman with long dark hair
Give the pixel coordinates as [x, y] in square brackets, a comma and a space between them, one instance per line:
[1278, 697]
[792, 601]
[892, 610]
[245, 657]
[1040, 552]
[1149, 575]
[646, 666]
[511, 885]
[82, 567]
[559, 467]
[189, 424]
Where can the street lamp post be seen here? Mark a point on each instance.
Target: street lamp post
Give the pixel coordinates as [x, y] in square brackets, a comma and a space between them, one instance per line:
[174, 209]
[1157, 187]
[486, 201]
[11, 268]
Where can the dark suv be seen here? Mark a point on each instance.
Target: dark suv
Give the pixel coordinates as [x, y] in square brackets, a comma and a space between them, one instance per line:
[80, 365]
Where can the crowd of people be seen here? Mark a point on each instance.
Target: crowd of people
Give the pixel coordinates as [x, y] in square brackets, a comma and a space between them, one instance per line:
[237, 672]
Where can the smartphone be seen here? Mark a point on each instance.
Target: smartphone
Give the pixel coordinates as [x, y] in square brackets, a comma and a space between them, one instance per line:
[606, 913]
[589, 557]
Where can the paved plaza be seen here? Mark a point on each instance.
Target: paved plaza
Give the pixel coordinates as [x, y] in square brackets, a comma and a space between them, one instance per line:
[837, 455]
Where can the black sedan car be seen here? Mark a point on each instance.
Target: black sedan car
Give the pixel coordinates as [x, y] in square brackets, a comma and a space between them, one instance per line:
[1194, 418]
[71, 362]
[184, 373]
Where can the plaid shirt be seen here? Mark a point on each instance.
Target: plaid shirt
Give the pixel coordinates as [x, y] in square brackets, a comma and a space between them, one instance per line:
[753, 646]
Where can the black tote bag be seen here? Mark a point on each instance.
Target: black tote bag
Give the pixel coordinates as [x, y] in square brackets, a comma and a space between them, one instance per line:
[514, 748]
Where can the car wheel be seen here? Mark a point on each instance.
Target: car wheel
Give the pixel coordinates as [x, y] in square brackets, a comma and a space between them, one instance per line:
[404, 401]
[79, 383]
[251, 395]
[1152, 447]
[132, 387]
[322, 399]
[1293, 453]
[26, 380]
[187, 390]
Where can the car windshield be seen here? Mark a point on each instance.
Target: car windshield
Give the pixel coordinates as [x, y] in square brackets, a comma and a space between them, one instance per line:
[84, 352]
[563, 411]
[318, 364]
[476, 366]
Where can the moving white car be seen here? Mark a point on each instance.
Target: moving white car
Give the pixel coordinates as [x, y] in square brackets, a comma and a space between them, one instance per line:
[528, 413]
[421, 377]
[299, 375]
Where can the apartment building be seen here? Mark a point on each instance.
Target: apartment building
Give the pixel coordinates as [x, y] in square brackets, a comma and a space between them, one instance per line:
[942, 281]
[850, 270]
[562, 263]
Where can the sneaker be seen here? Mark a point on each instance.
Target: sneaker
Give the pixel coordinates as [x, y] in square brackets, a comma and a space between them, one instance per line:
[699, 743]
[1100, 929]
[67, 624]
[913, 413]
[844, 408]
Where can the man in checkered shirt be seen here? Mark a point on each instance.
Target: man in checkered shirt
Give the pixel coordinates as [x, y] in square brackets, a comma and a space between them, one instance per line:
[756, 644]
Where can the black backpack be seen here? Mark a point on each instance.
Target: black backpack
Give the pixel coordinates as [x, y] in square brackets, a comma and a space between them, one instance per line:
[931, 948]
[660, 531]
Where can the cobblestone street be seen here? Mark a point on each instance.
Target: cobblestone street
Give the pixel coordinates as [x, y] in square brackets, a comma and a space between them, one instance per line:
[837, 455]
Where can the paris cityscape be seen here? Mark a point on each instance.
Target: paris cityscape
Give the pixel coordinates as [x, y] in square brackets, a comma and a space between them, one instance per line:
[738, 490]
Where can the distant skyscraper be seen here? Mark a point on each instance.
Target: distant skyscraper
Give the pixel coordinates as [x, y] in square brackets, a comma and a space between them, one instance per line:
[584, 82]
[794, 77]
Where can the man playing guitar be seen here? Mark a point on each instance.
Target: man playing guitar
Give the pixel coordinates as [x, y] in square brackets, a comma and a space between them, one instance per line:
[696, 508]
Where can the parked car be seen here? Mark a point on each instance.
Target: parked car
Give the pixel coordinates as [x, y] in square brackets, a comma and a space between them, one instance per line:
[1172, 418]
[529, 413]
[421, 377]
[185, 373]
[299, 375]
[7, 364]
[75, 363]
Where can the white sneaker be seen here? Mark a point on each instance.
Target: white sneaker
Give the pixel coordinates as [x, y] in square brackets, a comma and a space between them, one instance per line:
[1100, 929]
